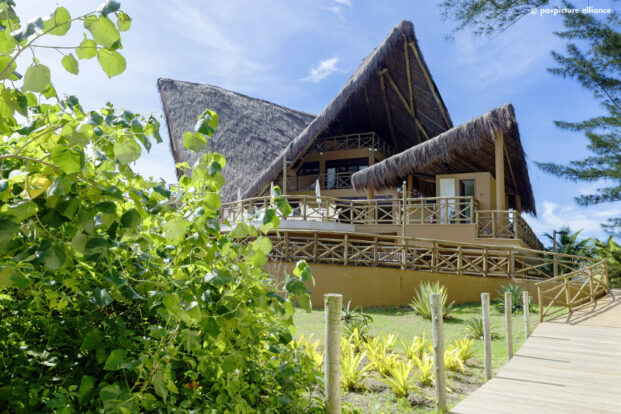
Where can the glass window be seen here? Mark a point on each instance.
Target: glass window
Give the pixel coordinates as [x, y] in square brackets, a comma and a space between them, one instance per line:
[309, 168]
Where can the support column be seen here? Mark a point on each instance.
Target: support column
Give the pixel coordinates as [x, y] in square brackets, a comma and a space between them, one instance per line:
[370, 193]
[500, 171]
[410, 185]
[284, 175]
[518, 203]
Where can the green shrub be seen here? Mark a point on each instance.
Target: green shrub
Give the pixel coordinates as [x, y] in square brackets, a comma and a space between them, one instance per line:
[112, 298]
[421, 303]
[399, 380]
[474, 329]
[516, 299]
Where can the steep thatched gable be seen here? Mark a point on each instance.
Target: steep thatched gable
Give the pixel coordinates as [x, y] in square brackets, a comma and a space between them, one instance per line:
[391, 93]
[468, 147]
[251, 133]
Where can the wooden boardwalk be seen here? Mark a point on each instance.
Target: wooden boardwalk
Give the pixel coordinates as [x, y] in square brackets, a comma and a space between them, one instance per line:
[570, 364]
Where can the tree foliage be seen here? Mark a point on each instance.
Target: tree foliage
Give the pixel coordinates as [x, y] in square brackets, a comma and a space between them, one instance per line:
[592, 58]
[116, 295]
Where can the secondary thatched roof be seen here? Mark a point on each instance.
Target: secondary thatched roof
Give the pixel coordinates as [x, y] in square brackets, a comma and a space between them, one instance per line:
[468, 147]
[251, 133]
[360, 105]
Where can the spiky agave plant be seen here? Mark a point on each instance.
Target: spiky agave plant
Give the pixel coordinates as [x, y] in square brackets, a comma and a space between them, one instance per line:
[416, 348]
[464, 349]
[421, 303]
[354, 373]
[399, 380]
[424, 368]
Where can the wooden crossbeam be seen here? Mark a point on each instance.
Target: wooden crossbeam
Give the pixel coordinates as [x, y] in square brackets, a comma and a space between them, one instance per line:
[431, 85]
[405, 103]
[387, 107]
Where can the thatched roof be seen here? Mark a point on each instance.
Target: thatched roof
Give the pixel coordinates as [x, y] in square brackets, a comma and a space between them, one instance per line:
[360, 105]
[468, 147]
[251, 133]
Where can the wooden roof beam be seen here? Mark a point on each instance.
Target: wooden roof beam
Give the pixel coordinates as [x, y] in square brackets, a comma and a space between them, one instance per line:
[387, 107]
[405, 103]
[431, 85]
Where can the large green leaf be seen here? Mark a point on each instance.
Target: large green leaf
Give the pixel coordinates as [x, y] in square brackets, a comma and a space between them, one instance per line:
[87, 387]
[131, 218]
[194, 141]
[102, 29]
[116, 360]
[87, 49]
[111, 61]
[70, 64]
[53, 257]
[8, 229]
[126, 150]
[37, 78]
[58, 23]
[123, 21]
[207, 122]
[174, 229]
[5, 61]
[7, 42]
[68, 159]
[93, 339]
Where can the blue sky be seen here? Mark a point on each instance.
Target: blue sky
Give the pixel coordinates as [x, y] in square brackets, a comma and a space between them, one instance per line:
[300, 53]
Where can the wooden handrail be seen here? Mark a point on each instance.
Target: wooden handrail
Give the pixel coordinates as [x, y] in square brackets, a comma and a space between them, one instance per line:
[569, 290]
[367, 249]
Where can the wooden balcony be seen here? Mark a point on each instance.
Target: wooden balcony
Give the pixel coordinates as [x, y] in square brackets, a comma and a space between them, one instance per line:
[414, 211]
[367, 140]
[335, 181]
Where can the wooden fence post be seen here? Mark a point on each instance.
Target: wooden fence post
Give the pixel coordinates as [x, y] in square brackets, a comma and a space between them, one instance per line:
[437, 332]
[487, 336]
[508, 307]
[567, 294]
[525, 304]
[333, 303]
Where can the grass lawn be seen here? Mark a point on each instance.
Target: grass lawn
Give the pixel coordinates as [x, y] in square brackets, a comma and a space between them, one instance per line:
[404, 323]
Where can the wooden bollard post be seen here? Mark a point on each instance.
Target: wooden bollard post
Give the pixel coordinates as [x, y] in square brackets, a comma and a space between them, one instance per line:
[333, 303]
[526, 304]
[487, 336]
[508, 307]
[437, 332]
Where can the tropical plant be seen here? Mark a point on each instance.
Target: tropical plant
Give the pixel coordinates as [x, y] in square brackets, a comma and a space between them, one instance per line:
[112, 297]
[569, 242]
[399, 380]
[464, 350]
[355, 319]
[353, 373]
[360, 327]
[311, 348]
[516, 292]
[417, 347]
[610, 251]
[421, 303]
[424, 368]
[452, 361]
[380, 345]
[357, 340]
[474, 328]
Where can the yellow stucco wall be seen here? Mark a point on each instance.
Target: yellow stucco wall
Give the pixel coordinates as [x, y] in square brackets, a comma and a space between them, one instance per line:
[368, 286]
[484, 187]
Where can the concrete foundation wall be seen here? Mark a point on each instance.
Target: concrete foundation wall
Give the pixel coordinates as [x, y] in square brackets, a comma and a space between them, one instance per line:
[368, 286]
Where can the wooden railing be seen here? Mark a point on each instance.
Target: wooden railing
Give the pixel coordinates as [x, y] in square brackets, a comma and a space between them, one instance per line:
[570, 290]
[365, 249]
[428, 210]
[335, 181]
[367, 140]
[498, 224]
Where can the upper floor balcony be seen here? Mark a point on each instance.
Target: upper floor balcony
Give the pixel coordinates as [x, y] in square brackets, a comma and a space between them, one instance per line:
[487, 224]
[366, 140]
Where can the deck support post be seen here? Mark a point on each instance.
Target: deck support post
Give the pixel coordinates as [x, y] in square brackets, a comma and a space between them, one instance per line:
[284, 175]
[437, 332]
[525, 304]
[487, 336]
[500, 171]
[508, 324]
[333, 303]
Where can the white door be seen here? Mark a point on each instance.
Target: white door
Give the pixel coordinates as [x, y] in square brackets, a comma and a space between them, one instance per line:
[446, 207]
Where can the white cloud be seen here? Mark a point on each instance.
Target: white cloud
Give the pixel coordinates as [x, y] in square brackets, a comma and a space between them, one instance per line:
[587, 219]
[343, 2]
[323, 70]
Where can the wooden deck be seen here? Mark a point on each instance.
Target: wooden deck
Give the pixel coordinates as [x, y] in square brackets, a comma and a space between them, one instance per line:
[570, 364]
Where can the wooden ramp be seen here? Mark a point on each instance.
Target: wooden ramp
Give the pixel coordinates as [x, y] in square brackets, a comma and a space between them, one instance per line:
[570, 364]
